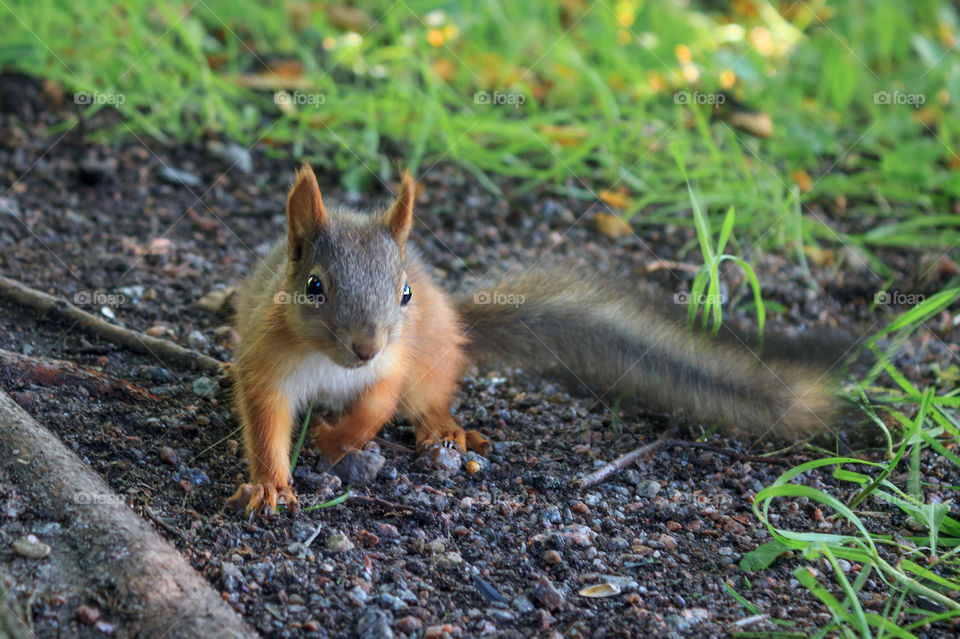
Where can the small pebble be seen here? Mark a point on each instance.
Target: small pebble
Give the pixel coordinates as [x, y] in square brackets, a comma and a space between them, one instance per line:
[443, 461]
[374, 623]
[87, 614]
[31, 547]
[236, 156]
[168, 456]
[206, 387]
[523, 604]
[104, 627]
[447, 559]
[368, 539]
[647, 488]
[178, 177]
[194, 476]
[669, 542]
[358, 595]
[545, 594]
[338, 543]
[197, 340]
[439, 631]
[359, 467]
[409, 624]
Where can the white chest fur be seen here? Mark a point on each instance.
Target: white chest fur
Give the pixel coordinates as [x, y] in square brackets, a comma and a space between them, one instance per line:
[318, 378]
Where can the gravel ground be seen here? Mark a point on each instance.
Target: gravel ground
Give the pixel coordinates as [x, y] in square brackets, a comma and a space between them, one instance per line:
[502, 552]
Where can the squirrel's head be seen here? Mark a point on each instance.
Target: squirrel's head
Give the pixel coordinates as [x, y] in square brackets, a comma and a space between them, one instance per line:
[346, 280]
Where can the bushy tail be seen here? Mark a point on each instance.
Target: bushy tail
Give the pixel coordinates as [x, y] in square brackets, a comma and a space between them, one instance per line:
[618, 344]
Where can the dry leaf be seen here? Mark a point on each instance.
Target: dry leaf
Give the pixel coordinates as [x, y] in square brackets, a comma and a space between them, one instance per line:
[616, 199]
[564, 135]
[759, 124]
[819, 256]
[803, 180]
[215, 301]
[278, 74]
[600, 590]
[612, 225]
[444, 69]
[347, 18]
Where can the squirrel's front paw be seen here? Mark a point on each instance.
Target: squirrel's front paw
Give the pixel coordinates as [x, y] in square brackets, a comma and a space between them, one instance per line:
[441, 451]
[462, 440]
[261, 498]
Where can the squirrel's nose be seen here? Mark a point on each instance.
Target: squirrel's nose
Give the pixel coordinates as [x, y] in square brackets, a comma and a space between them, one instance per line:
[366, 347]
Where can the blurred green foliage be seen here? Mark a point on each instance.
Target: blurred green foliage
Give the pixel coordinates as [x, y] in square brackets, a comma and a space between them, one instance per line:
[862, 95]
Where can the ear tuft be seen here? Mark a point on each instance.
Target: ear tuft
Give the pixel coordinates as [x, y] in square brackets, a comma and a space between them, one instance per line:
[399, 219]
[305, 212]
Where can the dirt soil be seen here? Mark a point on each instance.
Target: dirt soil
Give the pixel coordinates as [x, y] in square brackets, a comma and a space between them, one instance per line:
[502, 552]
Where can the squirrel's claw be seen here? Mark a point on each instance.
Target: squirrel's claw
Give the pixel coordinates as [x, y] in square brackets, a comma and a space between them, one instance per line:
[261, 499]
[458, 439]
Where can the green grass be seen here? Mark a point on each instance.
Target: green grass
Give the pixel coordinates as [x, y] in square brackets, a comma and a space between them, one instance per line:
[597, 79]
[590, 108]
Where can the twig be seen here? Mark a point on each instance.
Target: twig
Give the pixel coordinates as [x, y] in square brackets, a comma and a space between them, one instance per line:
[383, 503]
[658, 265]
[629, 458]
[171, 530]
[162, 349]
[620, 463]
[386, 443]
[37, 370]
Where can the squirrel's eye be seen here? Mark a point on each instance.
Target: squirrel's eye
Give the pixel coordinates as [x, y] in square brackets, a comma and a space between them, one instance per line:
[314, 286]
[407, 294]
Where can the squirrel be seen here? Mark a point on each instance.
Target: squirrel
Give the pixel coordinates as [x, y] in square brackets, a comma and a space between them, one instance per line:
[343, 312]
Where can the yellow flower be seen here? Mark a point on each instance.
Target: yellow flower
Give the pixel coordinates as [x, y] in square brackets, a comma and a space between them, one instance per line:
[624, 12]
[727, 79]
[435, 37]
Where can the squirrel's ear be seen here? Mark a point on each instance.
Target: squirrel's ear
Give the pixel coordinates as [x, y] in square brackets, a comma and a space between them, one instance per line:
[305, 212]
[399, 219]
